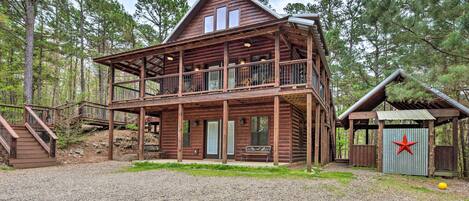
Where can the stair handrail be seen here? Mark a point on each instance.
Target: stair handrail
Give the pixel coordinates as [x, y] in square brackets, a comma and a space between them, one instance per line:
[11, 149]
[52, 136]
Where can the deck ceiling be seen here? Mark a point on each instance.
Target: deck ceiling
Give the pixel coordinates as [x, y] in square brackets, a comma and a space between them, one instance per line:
[132, 61]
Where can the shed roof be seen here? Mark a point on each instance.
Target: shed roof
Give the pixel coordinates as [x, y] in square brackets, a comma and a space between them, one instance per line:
[405, 115]
[378, 94]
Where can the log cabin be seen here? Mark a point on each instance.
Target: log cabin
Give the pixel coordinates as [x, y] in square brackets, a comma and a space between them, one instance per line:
[233, 80]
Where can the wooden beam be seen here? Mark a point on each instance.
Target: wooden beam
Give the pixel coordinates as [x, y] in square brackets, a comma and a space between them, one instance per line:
[455, 143]
[350, 140]
[225, 132]
[380, 146]
[226, 61]
[180, 130]
[141, 134]
[444, 112]
[309, 63]
[324, 139]
[181, 70]
[317, 134]
[111, 135]
[277, 59]
[363, 115]
[309, 128]
[431, 147]
[142, 78]
[277, 129]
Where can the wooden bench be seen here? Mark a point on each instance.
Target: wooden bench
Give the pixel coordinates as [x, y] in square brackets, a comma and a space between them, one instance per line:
[257, 151]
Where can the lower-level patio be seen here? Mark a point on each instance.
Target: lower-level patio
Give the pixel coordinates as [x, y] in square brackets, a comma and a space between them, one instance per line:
[217, 162]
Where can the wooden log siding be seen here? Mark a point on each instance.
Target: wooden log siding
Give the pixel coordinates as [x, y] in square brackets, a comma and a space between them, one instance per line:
[242, 132]
[298, 138]
[363, 155]
[249, 15]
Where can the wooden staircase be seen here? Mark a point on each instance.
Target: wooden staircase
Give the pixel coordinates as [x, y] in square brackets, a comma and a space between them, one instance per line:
[29, 152]
[23, 143]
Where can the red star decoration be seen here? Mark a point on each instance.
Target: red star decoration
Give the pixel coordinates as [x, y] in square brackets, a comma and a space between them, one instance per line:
[404, 145]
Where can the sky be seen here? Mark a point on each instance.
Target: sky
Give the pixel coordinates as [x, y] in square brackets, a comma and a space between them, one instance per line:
[278, 5]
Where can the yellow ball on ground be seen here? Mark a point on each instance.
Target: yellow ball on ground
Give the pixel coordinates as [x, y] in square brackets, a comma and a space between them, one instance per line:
[442, 186]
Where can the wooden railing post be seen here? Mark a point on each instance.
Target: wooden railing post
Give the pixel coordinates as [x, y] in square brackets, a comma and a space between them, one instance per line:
[13, 148]
[142, 78]
[111, 83]
[317, 134]
[277, 59]
[309, 62]
[225, 132]
[226, 61]
[181, 70]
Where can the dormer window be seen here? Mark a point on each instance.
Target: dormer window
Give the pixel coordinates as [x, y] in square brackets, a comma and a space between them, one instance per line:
[221, 18]
[234, 18]
[208, 24]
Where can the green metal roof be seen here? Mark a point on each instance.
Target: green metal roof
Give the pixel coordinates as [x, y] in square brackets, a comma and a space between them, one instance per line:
[405, 115]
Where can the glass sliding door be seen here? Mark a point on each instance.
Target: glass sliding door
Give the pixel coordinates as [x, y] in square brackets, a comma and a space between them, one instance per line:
[212, 132]
[231, 138]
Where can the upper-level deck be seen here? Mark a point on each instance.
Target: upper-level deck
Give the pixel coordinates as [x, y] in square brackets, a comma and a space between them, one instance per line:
[272, 58]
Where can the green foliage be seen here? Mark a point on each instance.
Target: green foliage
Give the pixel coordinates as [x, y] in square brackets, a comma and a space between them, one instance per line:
[242, 171]
[68, 135]
[132, 127]
[407, 91]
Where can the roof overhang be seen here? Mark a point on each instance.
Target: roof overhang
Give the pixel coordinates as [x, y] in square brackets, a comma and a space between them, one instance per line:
[405, 115]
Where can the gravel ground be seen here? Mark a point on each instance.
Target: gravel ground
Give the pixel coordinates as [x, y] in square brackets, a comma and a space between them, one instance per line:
[103, 181]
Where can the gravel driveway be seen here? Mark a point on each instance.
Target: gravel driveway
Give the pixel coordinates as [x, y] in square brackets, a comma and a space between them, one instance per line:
[103, 181]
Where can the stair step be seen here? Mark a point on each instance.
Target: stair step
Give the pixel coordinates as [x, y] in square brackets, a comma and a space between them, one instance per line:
[31, 160]
[29, 148]
[31, 156]
[26, 139]
[26, 152]
[30, 143]
[34, 165]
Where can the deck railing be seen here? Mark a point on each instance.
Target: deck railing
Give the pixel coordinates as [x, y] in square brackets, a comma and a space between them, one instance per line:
[8, 137]
[203, 81]
[40, 131]
[164, 85]
[251, 75]
[12, 114]
[293, 72]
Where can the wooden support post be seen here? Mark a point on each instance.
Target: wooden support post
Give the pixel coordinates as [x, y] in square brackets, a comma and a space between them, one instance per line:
[324, 140]
[276, 128]
[141, 134]
[226, 61]
[455, 144]
[367, 136]
[277, 59]
[318, 71]
[309, 62]
[142, 78]
[181, 70]
[380, 145]
[309, 128]
[317, 137]
[225, 132]
[431, 148]
[180, 130]
[462, 143]
[111, 112]
[111, 135]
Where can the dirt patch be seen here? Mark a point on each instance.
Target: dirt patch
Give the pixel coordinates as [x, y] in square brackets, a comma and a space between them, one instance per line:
[95, 147]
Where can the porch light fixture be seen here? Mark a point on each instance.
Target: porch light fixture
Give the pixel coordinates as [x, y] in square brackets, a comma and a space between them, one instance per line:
[247, 44]
[242, 61]
[170, 58]
[242, 121]
[197, 69]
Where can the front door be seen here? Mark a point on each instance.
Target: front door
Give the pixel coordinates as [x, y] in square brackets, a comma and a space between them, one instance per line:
[213, 139]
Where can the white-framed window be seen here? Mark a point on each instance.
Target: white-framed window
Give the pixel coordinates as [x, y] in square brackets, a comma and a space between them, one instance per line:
[221, 18]
[208, 22]
[233, 18]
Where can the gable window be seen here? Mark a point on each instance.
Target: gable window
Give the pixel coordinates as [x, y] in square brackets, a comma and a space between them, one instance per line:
[186, 133]
[221, 18]
[208, 24]
[233, 18]
[259, 130]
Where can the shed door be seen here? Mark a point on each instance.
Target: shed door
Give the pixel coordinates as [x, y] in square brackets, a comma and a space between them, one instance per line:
[405, 151]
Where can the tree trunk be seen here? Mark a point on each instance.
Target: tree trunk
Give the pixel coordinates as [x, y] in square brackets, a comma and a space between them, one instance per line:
[39, 69]
[82, 66]
[28, 60]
